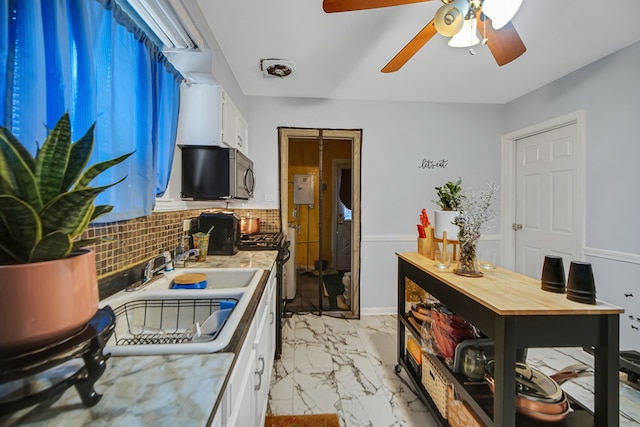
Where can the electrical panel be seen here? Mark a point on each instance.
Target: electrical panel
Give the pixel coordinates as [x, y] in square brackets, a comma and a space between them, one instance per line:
[303, 189]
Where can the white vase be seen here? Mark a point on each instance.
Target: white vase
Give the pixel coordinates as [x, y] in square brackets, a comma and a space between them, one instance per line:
[443, 221]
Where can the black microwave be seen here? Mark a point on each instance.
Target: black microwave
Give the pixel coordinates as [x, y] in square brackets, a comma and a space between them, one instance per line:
[216, 173]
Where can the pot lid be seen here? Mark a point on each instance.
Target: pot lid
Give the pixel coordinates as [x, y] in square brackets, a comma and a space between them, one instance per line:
[531, 383]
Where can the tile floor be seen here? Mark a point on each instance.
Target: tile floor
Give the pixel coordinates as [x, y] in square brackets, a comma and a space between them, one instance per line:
[332, 365]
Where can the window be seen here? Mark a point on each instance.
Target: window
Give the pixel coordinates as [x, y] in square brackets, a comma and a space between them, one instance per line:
[88, 58]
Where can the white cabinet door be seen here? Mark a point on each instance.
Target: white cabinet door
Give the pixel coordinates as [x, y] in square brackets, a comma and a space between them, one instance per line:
[235, 129]
[217, 419]
[265, 349]
[247, 392]
[239, 393]
[229, 115]
[242, 413]
[242, 134]
[199, 120]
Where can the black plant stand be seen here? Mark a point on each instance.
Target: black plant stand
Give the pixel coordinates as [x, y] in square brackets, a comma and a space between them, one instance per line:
[88, 343]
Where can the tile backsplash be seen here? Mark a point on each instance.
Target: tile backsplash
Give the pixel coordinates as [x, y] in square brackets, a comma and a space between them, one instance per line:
[134, 241]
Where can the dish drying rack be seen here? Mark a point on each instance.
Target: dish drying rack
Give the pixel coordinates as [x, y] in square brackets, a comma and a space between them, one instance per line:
[166, 321]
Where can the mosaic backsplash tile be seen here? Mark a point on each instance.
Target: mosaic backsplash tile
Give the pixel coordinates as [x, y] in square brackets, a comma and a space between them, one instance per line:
[137, 240]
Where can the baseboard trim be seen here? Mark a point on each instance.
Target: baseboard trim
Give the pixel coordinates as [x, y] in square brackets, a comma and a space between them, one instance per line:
[375, 311]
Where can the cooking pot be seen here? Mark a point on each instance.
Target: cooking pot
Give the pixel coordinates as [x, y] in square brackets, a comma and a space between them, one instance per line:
[537, 395]
[249, 225]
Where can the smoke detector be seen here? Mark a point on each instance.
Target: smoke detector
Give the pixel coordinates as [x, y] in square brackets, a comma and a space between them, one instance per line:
[277, 67]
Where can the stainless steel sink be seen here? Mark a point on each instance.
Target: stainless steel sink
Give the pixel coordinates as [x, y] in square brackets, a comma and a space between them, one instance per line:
[159, 320]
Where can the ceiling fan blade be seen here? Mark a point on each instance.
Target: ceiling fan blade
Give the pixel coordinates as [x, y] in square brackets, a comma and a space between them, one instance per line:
[331, 6]
[411, 48]
[505, 44]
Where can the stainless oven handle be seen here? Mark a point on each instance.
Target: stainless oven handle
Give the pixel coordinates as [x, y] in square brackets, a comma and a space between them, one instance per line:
[286, 252]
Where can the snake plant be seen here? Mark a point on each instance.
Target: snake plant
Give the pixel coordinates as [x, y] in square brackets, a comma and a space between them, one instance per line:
[46, 202]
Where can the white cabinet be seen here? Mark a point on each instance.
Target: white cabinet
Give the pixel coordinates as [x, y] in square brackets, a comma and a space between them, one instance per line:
[217, 420]
[239, 392]
[208, 116]
[244, 402]
[199, 120]
[235, 130]
[265, 345]
[242, 134]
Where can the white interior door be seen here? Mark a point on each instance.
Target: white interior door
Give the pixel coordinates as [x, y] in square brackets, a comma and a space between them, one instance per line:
[547, 168]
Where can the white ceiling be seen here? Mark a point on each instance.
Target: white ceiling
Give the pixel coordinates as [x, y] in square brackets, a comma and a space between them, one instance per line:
[340, 55]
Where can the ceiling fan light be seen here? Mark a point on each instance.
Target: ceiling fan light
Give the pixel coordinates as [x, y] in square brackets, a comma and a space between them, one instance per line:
[500, 11]
[449, 18]
[467, 36]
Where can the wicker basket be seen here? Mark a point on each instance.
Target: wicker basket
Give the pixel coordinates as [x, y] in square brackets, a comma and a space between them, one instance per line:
[459, 413]
[436, 385]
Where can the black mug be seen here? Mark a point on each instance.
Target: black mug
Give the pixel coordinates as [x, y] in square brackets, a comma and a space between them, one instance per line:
[581, 287]
[553, 279]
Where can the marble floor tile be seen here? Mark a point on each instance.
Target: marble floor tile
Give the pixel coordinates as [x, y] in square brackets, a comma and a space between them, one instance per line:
[315, 392]
[332, 365]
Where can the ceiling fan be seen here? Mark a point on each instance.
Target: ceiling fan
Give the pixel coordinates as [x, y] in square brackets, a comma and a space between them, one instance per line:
[457, 19]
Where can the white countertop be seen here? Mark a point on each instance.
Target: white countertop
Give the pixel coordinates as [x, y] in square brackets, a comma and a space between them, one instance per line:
[154, 391]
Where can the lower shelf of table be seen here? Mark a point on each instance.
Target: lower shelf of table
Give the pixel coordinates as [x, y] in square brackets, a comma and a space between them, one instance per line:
[479, 396]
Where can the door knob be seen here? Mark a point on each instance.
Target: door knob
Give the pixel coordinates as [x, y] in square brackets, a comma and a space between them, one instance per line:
[516, 227]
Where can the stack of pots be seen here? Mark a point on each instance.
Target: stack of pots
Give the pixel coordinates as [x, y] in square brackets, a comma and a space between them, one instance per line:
[537, 395]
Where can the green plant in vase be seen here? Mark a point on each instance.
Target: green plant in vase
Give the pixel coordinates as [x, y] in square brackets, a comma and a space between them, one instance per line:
[476, 211]
[448, 200]
[48, 282]
[449, 195]
[46, 202]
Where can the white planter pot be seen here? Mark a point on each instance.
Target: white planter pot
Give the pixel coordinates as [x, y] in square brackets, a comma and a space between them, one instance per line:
[443, 221]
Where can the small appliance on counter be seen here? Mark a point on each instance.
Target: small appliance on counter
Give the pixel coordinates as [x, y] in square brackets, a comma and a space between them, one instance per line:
[225, 236]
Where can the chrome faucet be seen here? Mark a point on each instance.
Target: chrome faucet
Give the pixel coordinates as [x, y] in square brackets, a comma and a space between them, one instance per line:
[181, 260]
[150, 270]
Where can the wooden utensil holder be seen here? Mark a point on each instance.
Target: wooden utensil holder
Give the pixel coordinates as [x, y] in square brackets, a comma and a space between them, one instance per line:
[426, 244]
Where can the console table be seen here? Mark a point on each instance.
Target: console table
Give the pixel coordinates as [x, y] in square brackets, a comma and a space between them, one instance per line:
[517, 314]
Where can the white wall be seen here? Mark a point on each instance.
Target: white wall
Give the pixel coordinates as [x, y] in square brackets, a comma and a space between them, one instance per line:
[397, 136]
[395, 139]
[609, 91]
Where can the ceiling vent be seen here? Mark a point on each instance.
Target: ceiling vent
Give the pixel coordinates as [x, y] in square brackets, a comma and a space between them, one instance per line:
[277, 67]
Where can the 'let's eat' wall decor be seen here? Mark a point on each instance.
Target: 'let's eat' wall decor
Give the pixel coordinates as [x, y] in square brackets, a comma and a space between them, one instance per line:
[433, 164]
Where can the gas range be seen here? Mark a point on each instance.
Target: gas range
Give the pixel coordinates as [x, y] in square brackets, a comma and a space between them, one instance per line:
[271, 242]
[261, 241]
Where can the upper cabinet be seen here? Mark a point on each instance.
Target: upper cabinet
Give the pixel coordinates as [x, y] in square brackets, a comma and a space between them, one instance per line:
[208, 116]
[234, 127]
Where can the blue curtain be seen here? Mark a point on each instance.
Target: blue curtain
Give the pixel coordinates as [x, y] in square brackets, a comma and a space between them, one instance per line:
[89, 58]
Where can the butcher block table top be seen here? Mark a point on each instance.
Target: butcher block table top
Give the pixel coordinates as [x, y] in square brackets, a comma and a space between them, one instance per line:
[508, 293]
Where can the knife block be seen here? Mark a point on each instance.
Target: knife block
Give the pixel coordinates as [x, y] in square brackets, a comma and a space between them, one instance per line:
[426, 244]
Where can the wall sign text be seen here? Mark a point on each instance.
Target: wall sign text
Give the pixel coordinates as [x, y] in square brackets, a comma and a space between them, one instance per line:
[433, 164]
